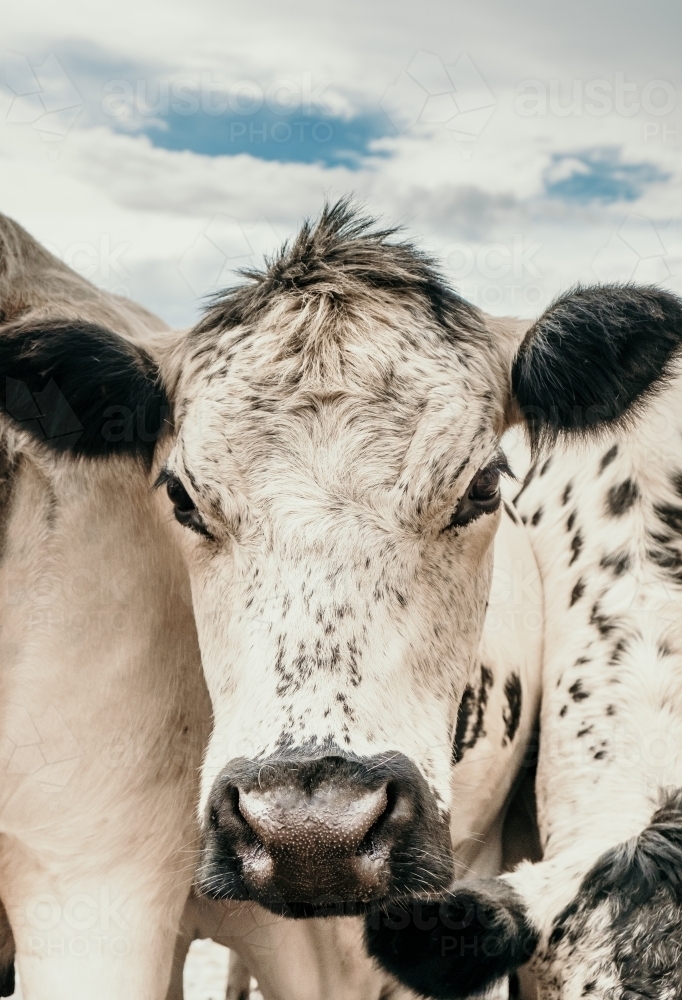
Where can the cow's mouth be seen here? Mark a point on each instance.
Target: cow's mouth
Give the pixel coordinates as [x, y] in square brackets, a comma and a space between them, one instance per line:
[319, 836]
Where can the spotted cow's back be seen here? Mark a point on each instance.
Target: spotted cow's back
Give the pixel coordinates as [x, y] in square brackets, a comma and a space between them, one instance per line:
[606, 526]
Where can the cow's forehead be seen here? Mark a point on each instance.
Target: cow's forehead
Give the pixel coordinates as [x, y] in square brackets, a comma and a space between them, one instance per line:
[366, 398]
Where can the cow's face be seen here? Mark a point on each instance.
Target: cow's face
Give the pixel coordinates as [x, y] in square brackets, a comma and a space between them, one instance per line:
[337, 471]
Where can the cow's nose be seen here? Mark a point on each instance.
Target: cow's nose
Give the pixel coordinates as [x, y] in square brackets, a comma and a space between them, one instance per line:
[315, 844]
[305, 836]
[300, 826]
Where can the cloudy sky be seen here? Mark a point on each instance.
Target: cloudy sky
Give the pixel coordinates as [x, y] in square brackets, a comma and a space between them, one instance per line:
[159, 147]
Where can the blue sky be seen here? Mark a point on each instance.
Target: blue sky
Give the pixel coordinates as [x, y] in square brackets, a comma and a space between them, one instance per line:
[158, 148]
[600, 175]
[299, 138]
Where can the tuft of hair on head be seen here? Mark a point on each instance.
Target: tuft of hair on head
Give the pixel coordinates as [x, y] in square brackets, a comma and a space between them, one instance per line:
[341, 255]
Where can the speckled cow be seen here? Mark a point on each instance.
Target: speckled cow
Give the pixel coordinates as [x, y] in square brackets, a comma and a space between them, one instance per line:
[602, 913]
[607, 531]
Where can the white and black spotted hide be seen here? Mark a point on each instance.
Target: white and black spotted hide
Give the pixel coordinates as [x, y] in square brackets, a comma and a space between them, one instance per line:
[605, 525]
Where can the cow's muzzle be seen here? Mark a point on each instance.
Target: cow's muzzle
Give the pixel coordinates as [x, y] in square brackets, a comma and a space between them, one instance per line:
[323, 835]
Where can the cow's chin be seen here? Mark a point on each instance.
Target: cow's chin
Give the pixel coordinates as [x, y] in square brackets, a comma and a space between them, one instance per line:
[329, 885]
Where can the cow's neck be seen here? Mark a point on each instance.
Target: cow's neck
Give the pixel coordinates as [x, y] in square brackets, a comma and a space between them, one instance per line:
[101, 688]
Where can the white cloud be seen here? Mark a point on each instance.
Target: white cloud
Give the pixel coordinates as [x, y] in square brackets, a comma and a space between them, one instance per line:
[487, 188]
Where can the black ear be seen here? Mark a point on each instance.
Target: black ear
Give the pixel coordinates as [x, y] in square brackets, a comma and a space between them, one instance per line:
[80, 388]
[593, 355]
[451, 949]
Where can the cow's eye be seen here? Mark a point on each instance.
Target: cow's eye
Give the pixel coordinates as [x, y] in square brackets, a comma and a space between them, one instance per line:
[486, 485]
[483, 495]
[184, 507]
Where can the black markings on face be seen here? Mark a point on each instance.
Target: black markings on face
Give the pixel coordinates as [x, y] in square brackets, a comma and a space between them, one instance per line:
[536, 517]
[467, 707]
[576, 547]
[617, 562]
[341, 698]
[604, 623]
[621, 498]
[618, 650]
[577, 591]
[559, 931]
[546, 466]
[608, 458]
[511, 714]
[471, 715]
[577, 692]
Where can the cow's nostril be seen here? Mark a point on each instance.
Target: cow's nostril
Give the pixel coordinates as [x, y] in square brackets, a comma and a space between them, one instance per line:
[373, 834]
